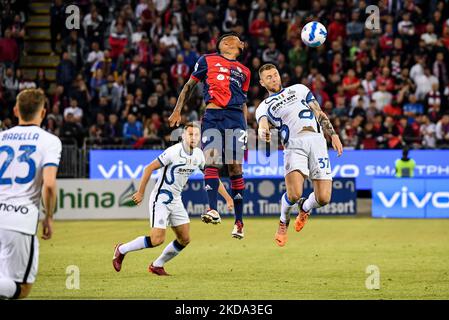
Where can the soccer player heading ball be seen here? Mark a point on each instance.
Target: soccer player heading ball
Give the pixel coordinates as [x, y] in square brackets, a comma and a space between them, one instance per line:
[223, 130]
[301, 122]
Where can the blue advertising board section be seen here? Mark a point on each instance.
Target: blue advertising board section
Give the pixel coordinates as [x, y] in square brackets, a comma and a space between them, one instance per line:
[363, 165]
[262, 197]
[410, 198]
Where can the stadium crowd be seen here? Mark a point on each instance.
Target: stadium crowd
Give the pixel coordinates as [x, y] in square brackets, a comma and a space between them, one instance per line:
[384, 82]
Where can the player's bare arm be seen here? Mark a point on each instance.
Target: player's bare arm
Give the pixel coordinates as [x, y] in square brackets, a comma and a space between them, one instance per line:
[327, 126]
[49, 199]
[224, 193]
[139, 195]
[175, 117]
[264, 130]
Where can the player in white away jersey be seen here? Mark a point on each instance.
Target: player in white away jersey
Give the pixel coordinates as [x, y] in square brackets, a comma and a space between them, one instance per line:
[166, 208]
[301, 122]
[29, 159]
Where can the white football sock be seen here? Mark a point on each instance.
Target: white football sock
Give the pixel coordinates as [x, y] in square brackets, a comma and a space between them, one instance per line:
[137, 244]
[286, 208]
[7, 288]
[310, 203]
[170, 251]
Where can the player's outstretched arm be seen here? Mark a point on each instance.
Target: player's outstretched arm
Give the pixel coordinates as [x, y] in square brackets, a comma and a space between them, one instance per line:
[327, 126]
[175, 117]
[264, 129]
[49, 199]
[139, 195]
[224, 193]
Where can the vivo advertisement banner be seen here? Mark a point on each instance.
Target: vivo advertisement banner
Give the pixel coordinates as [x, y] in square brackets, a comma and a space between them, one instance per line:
[262, 197]
[410, 198]
[363, 165]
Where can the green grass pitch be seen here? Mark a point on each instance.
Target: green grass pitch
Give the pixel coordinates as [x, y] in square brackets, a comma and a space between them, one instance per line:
[326, 260]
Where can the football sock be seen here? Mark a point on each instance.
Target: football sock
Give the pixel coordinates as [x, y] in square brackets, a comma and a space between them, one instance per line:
[137, 244]
[170, 251]
[9, 289]
[237, 187]
[286, 208]
[211, 183]
[310, 203]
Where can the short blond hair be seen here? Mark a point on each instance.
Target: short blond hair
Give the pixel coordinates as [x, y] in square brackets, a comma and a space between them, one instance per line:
[29, 102]
[265, 67]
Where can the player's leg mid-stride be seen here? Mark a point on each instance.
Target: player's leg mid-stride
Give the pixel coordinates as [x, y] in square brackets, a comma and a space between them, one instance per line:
[156, 238]
[166, 207]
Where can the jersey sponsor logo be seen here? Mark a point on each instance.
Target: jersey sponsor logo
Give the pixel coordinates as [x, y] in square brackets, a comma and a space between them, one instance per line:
[8, 207]
[224, 70]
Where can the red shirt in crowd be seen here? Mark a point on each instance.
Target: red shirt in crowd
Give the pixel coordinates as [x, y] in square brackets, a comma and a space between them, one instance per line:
[257, 27]
[336, 29]
[348, 81]
[118, 43]
[8, 50]
[386, 81]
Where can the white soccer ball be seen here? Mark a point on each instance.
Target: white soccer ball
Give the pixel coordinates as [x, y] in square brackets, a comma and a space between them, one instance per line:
[313, 34]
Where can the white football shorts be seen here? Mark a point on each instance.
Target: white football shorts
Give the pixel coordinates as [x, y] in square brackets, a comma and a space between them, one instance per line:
[308, 154]
[19, 256]
[165, 213]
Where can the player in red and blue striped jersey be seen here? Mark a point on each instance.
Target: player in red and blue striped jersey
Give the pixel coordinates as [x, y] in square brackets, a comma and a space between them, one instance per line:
[226, 82]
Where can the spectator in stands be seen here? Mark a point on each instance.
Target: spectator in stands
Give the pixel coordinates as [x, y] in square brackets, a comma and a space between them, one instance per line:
[179, 69]
[118, 41]
[113, 128]
[41, 80]
[132, 130]
[75, 47]
[72, 129]
[95, 56]
[271, 54]
[442, 132]
[96, 82]
[427, 131]
[367, 138]
[189, 54]
[336, 29]
[9, 51]
[424, 83]
[93, 26]
[440, 69]
[65, 72]
[99, 130]
[57, 23]
[382, 97]
[74, 110]
[413, 107]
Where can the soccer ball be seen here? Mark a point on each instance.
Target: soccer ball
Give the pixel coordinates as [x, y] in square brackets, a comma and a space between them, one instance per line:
[313, 34]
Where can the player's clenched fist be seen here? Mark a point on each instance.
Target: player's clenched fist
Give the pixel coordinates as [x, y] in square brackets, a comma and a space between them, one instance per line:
[137, 197]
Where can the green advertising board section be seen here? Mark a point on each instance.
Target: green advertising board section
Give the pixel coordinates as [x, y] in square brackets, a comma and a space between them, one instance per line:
[79, 199]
